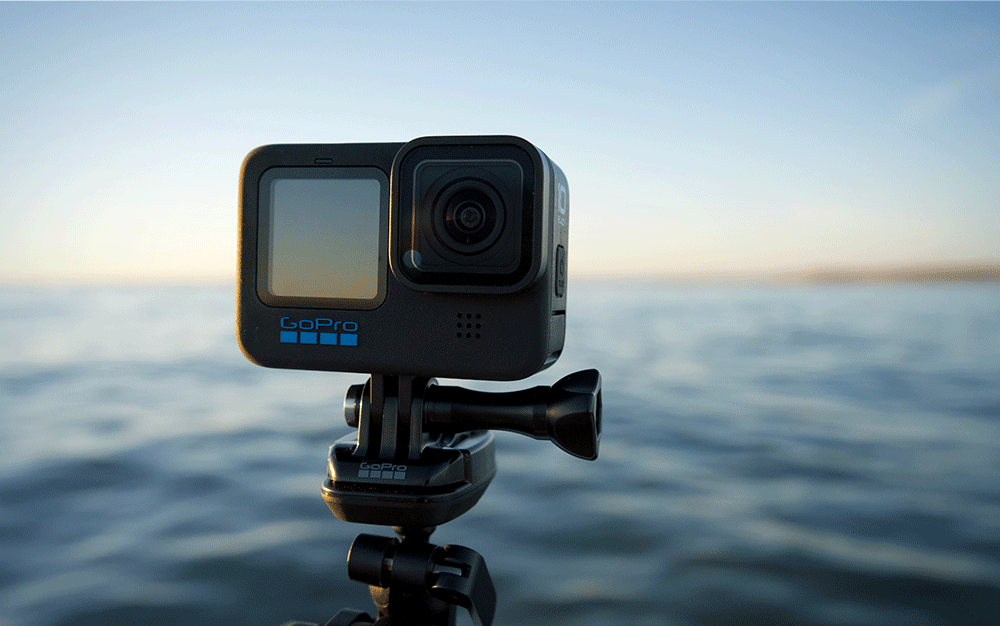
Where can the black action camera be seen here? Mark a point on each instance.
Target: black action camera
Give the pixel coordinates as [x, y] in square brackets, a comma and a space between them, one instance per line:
[444, 256]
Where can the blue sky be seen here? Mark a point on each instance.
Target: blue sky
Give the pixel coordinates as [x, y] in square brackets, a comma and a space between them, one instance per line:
[705, 137]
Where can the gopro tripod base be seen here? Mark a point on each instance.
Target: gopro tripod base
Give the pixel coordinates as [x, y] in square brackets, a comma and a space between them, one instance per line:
[447, 480]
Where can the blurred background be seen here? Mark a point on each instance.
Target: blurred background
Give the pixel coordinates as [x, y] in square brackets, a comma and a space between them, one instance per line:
[698, 138]
[784, 262]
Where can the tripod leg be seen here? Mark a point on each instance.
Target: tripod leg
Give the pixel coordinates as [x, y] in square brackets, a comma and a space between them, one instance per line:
[422, 583]
[346, 617]
[350, 617]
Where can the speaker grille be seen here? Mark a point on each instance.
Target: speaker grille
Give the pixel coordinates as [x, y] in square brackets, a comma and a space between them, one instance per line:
[469, 326]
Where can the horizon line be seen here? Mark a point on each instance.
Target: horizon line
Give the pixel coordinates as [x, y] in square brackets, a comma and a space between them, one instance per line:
[820, 274]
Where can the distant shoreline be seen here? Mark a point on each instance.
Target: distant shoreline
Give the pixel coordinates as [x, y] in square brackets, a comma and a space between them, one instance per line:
[823, 276]
[905, 275]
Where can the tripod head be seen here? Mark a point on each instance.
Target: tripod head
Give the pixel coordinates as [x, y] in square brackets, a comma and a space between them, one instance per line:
[423, 453]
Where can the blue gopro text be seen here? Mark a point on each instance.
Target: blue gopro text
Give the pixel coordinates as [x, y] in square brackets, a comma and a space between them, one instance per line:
[319, 331]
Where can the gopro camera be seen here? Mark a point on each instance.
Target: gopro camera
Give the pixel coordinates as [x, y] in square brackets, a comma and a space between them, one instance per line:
[443, 256]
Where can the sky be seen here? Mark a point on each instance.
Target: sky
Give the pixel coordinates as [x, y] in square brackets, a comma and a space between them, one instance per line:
[697, 138]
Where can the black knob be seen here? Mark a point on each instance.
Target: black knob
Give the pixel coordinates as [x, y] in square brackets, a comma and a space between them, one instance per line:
[567, 413]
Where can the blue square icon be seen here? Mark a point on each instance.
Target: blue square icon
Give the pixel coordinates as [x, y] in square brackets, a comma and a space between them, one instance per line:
[347, 339]
[289, 336]
[305, 337]
[328, 339]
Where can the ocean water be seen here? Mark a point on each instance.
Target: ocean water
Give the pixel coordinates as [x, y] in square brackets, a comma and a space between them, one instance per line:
[801, 455]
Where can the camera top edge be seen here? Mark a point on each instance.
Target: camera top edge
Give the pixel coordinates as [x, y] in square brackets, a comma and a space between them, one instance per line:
[318, 154]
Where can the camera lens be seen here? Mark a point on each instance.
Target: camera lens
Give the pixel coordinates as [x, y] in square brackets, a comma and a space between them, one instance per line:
[469, 216]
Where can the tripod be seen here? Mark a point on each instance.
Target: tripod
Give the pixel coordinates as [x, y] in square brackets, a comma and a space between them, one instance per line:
[422, 456]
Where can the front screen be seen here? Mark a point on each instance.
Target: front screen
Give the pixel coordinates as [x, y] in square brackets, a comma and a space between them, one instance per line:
[322, 231]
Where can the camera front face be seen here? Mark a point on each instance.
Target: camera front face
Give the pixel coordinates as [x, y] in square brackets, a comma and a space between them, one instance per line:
[444, 256]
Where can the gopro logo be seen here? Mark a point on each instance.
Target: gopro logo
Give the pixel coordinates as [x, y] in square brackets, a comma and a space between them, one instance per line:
[319, 331]
[382, 470]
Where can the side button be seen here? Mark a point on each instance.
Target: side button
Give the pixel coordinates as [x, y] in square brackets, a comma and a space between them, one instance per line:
[560, 271]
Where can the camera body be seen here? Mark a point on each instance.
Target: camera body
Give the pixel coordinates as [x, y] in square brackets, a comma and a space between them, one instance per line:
[443, 256]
